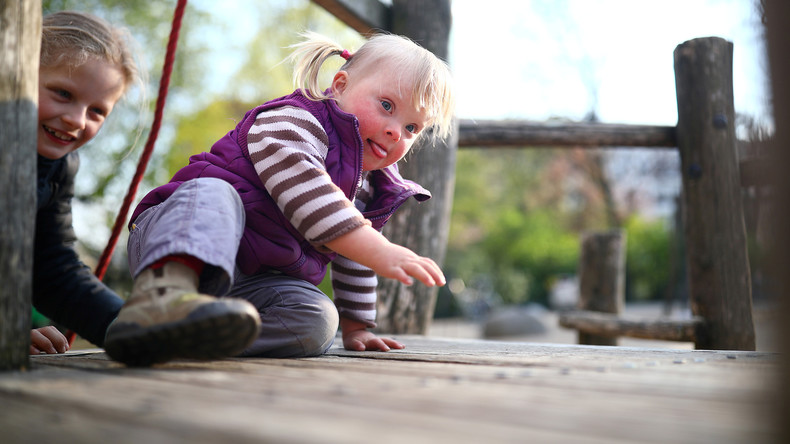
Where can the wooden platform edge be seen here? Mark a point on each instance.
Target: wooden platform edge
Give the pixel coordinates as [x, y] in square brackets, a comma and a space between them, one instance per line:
[606, 324]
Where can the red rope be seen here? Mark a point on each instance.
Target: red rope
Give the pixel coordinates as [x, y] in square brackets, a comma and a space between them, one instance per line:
[120, 220]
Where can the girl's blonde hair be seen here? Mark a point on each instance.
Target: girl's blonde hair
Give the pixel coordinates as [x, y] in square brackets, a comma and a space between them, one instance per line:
[429, 77]
[74, 37]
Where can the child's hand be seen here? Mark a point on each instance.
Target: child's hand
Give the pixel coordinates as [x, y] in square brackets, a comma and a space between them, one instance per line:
[357, 338]
[368, 247]
[400, 263]
[47, 340]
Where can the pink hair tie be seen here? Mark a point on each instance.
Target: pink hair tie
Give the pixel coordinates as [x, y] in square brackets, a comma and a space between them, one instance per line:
[345, 54]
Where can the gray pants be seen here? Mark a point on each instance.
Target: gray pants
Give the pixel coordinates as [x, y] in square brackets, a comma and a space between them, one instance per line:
[204, 218]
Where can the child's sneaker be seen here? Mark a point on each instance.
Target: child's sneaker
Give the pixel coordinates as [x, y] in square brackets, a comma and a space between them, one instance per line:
[165, 319]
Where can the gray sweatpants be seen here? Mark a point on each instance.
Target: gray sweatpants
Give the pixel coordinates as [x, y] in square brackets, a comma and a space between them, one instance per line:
[204, 218]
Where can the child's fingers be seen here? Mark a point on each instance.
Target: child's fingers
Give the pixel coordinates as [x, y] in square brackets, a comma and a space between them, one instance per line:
[41, 343]
[378, 344]
[393, 343]
[426, 271]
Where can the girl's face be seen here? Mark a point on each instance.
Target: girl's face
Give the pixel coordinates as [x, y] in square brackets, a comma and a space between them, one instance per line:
[73, 103]
[388, 122]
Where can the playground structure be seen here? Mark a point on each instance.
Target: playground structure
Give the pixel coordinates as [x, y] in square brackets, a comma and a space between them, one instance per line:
[715, 239]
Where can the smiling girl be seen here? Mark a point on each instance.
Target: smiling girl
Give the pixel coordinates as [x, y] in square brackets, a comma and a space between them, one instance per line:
[85, 68]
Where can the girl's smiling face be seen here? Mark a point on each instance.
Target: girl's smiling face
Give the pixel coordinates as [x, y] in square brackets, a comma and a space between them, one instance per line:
[388, 121]
[73, 103]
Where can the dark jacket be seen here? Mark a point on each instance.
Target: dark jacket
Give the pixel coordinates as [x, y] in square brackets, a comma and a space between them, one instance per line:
[270, 241]
[64, 289]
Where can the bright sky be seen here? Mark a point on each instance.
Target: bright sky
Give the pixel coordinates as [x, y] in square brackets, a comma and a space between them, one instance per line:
[536, 59]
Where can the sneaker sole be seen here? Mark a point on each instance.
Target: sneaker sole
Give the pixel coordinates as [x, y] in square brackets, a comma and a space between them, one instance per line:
[210, 332]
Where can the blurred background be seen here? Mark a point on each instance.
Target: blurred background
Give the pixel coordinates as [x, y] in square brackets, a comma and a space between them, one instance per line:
[517, 214]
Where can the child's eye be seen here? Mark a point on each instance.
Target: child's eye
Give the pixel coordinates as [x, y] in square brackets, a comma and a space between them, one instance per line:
[412, 128]
[99, 111]
[386, 105]
[63, 93]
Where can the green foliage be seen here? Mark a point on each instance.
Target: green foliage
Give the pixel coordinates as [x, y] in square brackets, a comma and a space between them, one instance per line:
[513, 226]
[648, 259]
[501, 227]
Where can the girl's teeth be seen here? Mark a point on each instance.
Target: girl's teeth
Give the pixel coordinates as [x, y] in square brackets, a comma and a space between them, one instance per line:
[63, 137]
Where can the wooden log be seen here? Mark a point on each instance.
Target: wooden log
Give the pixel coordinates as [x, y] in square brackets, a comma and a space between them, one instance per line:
[526, 134]
[602, 279]
[719, 281]
[776, 16]
[20, 40]
[364, 16]
[756, 172]
[610, 325]
[423, 228]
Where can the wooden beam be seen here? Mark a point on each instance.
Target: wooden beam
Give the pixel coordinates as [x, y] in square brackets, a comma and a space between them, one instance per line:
[364, 16]
[521, 134]
[606, 324]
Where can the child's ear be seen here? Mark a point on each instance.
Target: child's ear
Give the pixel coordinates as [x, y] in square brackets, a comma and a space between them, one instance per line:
[339, 83]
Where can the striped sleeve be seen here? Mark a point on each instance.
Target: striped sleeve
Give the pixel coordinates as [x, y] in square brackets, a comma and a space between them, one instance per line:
[354, 288]
[288, 146]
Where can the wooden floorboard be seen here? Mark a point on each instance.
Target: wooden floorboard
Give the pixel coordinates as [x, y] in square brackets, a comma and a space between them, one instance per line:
[434, 391]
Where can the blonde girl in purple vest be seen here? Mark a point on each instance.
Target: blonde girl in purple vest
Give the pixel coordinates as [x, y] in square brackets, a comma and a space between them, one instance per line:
[303, 181]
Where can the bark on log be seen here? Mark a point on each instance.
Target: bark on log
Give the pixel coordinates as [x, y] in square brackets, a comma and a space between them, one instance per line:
[20, 37]
[719, 281]
[526, 134]
[420, 227]
[364, 16]
[602, 279]
[611, 325]
[777, 16]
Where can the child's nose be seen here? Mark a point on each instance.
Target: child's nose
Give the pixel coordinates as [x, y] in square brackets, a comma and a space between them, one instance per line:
[394, 133]
[76, 118]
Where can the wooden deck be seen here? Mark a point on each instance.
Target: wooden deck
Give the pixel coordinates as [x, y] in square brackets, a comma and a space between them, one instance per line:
[434, 391]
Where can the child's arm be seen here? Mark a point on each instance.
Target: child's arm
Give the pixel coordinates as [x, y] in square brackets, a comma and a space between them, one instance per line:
[47, 340]
[370, 248]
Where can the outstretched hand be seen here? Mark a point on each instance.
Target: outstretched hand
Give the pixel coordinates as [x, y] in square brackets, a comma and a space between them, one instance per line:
[357, 337]
[47, 340]
[368, 247]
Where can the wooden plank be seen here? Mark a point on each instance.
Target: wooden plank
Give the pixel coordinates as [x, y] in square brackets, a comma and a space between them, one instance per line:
[607, 324]
[433, 391]
[364, 16]
[526, 134]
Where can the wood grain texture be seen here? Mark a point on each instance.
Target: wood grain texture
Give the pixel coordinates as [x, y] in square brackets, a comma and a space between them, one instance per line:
[435, 390]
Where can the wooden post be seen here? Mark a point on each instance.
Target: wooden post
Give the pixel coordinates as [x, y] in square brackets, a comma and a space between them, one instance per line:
[423, 228]
[718, 266]
[602, 278]
[20, 40]
[776, 16]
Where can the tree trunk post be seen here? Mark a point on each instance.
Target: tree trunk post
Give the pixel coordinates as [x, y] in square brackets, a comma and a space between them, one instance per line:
[602, 278]
[20, 41]
[718, 265]
[424, 227]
